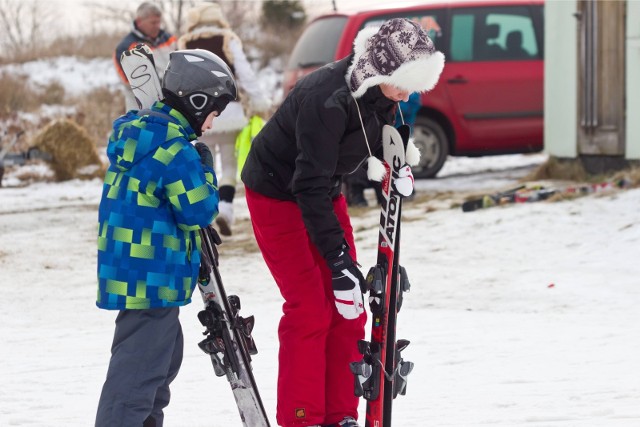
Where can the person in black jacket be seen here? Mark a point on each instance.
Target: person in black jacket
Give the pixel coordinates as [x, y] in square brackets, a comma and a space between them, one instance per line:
[326, 127]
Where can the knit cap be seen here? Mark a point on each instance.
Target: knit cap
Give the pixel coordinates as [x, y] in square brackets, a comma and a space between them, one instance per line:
[399, 53]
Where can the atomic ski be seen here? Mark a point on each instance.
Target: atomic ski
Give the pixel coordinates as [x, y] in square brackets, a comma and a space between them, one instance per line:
[139, 67]
[382, 373]
[228, 335]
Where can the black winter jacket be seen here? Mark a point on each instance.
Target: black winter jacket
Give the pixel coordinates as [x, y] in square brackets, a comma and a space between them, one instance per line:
[314, 138]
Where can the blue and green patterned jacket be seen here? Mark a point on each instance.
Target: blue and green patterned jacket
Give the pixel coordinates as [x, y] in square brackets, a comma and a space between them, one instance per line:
[156, 196]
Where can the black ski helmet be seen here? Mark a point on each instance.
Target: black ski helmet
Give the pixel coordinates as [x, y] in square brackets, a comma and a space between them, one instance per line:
[196, 83]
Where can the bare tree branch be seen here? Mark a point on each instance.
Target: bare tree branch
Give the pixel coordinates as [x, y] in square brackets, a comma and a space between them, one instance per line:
[24, 22]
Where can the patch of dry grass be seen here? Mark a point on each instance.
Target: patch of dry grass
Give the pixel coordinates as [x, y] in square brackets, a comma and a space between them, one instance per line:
[632, 175]
[95, 45]
[563, 169]
[97, 110]
[17, 95]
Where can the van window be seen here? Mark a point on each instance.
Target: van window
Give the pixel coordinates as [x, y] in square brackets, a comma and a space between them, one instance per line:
[462, 37]
[493, 34]
[318, 43]
[430, 20]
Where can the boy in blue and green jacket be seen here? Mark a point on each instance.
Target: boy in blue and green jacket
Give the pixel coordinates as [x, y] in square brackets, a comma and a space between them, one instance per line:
[158, 192]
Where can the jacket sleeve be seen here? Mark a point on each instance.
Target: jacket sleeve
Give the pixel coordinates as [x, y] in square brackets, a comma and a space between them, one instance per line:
[117, 53]
[320, 126]
[247, 79]
[190, 188]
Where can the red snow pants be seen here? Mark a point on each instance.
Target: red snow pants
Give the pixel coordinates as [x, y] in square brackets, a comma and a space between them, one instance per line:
[315, 384]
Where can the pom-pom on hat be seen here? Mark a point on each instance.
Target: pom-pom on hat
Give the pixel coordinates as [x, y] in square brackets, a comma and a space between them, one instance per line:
[399, 53]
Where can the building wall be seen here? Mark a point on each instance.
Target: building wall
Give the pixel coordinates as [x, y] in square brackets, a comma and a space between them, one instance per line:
[560, 78]
[632, 81]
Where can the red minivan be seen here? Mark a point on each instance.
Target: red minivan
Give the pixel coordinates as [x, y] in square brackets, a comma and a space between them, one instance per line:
[489, 99]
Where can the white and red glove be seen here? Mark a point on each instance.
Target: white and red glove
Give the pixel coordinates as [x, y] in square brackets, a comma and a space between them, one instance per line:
[404, 182]
[347, 282]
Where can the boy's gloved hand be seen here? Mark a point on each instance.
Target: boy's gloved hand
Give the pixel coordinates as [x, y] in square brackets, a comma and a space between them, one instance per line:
[206, 158]
[348, 283]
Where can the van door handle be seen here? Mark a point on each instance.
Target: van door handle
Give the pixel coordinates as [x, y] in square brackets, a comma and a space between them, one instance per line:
[458, 80]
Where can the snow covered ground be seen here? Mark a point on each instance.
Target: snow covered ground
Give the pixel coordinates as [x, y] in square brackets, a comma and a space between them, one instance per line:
[521, 315]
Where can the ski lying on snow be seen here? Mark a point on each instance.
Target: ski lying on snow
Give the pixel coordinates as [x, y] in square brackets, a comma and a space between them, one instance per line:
[535, 193]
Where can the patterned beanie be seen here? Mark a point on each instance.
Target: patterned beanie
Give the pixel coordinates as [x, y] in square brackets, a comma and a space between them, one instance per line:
[398, 53]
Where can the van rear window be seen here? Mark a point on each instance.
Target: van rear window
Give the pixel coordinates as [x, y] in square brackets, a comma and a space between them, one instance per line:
[318, 43]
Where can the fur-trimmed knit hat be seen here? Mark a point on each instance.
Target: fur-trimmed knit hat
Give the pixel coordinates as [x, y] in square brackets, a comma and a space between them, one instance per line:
[206, 14]
[399, 53]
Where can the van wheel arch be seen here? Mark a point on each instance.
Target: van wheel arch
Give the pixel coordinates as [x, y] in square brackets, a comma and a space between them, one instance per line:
[434, 137]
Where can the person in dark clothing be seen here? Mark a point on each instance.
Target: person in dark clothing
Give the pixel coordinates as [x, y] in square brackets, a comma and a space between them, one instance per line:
[208, 28]
[146, 29]
[327, 126]
[158, 192]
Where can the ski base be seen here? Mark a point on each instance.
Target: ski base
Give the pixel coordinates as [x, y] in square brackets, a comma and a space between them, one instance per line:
[139, 67]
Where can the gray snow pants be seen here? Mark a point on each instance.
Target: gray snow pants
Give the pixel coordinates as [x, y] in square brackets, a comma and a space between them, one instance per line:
[146, 355]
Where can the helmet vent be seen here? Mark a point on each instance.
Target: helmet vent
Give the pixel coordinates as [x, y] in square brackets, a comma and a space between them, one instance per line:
[193, 58]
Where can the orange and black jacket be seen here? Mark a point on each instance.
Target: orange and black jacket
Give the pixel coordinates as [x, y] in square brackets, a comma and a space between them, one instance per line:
[161, 46]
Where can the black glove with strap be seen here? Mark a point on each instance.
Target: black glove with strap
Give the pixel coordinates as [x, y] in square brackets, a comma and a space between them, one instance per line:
[206, 158]
[348, 283]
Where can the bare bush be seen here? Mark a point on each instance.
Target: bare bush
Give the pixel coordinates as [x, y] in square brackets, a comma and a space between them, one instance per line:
[94, 45]
[172, 13]
[16, 95]
[278, 45]
[25, 23]
[52, 93]
[282, 23]
[97, 110]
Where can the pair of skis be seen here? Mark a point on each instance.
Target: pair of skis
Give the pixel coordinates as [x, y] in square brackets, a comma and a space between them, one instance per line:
[228, 339]
[536, 193]
[382, 373]
[228, 335]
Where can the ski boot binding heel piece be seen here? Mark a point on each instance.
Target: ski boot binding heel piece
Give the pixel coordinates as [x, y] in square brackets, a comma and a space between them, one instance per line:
[213, 344]
[403, 369]
[367, 371]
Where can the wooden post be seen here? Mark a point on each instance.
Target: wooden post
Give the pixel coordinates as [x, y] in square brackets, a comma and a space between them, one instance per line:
[601, 47]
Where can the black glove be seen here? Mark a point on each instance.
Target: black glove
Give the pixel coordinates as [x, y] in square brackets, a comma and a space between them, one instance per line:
[348, 283]
[206, 158]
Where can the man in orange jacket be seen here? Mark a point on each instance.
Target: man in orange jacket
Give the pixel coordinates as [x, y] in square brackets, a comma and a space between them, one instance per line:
[146, 29]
